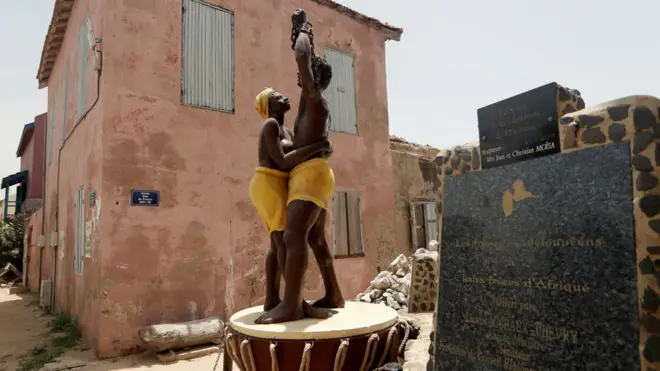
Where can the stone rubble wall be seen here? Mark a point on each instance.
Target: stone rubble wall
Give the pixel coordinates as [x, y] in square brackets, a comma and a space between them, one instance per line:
[390, 287]
[409, 284]
[634, 119]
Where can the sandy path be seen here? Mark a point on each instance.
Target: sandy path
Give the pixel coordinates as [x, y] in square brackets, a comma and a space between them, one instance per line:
[144, 362]
[23, 326]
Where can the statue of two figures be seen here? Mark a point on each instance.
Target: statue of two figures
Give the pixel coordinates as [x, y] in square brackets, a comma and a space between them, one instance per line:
[293, 184]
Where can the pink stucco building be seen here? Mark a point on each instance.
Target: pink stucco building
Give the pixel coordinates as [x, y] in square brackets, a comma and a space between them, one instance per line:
[158, 96]
[29, 180]
[31, 151]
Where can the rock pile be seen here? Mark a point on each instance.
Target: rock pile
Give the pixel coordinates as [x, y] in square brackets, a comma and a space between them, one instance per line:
[392, 286]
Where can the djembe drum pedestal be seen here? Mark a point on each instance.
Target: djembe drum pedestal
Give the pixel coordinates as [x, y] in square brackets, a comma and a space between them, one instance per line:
[360, 337]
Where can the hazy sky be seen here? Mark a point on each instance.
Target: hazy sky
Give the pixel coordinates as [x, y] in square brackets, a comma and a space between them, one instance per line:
[454, 57]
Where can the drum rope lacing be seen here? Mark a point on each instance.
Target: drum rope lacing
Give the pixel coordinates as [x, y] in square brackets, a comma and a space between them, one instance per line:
[340, 358]
[388, 343]
[306, 357]
[406, 337]
[370, 352]
[273, 357]
[247, 356]
[244, 358]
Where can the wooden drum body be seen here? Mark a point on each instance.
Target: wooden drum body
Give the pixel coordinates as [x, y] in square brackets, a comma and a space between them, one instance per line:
[360, 337]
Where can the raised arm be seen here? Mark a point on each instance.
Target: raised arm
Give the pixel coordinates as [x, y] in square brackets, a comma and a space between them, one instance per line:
[271, 132]
[303, 50]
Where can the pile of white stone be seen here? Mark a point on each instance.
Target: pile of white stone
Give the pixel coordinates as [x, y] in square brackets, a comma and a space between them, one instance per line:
[392, 286]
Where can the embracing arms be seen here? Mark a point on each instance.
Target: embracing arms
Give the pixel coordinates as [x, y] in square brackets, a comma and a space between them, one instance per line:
[271, 133]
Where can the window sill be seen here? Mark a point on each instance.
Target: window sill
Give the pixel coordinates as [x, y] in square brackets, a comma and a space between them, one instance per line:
[360, 255]
[207, 108]
[356, 134]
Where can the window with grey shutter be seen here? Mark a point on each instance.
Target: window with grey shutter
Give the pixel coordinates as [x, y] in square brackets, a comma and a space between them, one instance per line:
[79, 230]
[83, 52]
[423, 223]
[207, 57]
[50, 132]
[341, 92]
[65, 108]
[347, 216]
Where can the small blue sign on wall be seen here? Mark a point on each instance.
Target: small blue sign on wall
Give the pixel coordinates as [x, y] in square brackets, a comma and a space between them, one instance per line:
[145, 198]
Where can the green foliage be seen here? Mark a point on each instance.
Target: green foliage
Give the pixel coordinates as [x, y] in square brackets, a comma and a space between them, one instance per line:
[60, 322]
[11, 241]
[67, 334]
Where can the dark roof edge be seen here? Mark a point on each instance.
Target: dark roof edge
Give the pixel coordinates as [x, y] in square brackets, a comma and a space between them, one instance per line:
[391, 32]
[28, 130]
[13, 179]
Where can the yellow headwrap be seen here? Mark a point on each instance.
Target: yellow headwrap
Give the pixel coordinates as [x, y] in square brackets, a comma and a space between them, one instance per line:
[261, 103]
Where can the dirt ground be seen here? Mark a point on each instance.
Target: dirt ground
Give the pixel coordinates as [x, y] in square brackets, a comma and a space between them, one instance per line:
[23, 326]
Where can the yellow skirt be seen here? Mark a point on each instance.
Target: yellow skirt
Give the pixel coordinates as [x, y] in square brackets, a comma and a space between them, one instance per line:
[312, 181]
[268, 193]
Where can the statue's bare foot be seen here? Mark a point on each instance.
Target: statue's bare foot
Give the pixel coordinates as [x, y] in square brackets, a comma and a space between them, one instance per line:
[319, 313]
[330, 301]
[283, 312]
[271, 303]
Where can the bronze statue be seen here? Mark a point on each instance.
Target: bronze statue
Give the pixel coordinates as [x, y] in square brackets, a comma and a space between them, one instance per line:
[311, 185]
[269, 186]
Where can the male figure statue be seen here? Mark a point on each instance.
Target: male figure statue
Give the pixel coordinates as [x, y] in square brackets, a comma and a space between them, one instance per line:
[311, 185]
[269, 186]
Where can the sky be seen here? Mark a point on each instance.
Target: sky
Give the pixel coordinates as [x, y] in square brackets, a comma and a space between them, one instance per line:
[453, 58]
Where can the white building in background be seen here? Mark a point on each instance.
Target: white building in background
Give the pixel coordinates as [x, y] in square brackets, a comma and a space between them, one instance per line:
[10, 208]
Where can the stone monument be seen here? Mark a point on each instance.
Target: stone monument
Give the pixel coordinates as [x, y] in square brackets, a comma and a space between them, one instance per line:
[549, 261]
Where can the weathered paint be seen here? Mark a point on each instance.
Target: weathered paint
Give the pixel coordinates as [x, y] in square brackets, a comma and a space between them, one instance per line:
[79, 162]
[204, 244]
[416, 178]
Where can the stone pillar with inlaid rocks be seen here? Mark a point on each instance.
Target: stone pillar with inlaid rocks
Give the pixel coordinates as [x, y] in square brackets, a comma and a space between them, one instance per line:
[634, 119]
[424, 282]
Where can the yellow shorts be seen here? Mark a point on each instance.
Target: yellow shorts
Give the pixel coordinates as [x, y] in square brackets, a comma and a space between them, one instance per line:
[268, 193]
[313, 181]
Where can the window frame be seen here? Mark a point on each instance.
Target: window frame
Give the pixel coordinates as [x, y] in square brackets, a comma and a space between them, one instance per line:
[50, 133]
[79, 231]
[354, 58]
[65, 105]
[415, 224]
[83, 64]
[335, 209]
[233, 58]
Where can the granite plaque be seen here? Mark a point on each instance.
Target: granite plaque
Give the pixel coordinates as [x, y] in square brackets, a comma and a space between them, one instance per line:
[519, 128]
[538, 266]
[145, 198]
